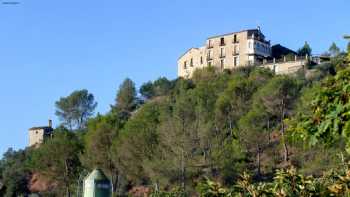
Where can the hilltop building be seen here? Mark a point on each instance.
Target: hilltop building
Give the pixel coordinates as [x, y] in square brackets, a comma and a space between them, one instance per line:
[37, 135]
[243, 48]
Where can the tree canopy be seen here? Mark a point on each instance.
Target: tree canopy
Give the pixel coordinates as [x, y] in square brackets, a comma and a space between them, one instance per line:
[75, 109]
[241, 132]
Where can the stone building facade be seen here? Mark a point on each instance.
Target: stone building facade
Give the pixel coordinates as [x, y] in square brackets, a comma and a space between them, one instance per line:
[228, 51]
[37, 135]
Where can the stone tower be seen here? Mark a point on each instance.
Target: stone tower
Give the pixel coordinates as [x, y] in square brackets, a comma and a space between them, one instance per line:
[37, 135]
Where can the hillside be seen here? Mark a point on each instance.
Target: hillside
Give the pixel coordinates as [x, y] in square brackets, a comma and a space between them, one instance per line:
[245, 131]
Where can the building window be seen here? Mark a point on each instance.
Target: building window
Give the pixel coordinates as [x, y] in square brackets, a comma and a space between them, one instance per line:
[235, 38]
[222, 52]
[222, 41]
[209, 55]
[236, 50]
[185, 65]
[191, 62]
[250, 45]
[210, 44]
[236, 61]
[201, 60]
[222, 62]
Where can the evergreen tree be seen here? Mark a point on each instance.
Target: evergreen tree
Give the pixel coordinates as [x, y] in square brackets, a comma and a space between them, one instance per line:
[278, 97]
[102, 132]
[126, 100]
[75, 109]
[305, 50]
[334, 50]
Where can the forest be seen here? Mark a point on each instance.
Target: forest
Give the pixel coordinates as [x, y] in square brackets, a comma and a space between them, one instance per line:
[241, 132]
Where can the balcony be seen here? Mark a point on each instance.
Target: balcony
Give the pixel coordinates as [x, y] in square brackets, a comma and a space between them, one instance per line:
[259, 39]
[222, 56]
[235, 53]
[209, 58]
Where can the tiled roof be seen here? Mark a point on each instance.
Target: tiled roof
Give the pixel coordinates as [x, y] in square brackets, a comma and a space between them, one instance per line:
[43, 127]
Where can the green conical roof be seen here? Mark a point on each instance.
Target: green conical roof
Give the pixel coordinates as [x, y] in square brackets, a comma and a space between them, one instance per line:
[97, 175]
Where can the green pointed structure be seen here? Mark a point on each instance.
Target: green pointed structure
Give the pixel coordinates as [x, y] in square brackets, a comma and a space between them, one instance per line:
[96, 184]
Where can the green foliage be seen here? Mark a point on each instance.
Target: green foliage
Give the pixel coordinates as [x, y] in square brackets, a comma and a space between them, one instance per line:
[305, 50]
[285, 183]
[214, 125]
[159, 87]
[102, 131]
[75, 109]
[334, 50]
[126, 100]
[14, 174]
[329, 119]
[58, 160]
[210, 188]
[176, 192]
[137, 145]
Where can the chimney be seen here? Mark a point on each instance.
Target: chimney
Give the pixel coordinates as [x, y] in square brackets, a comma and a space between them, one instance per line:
[50, 123]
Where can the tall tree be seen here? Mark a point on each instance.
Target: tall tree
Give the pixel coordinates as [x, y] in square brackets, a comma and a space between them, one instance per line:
[102, 131]
[334, 50]
[178, 134]
[305, 50]
[137, 145]
[255, 134]
[278, 97]
[126, 100]
[75, 109]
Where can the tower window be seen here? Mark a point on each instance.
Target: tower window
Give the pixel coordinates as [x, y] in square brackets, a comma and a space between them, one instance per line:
[185, 65]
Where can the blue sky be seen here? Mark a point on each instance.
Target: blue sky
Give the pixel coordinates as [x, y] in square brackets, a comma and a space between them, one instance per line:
[50, 48]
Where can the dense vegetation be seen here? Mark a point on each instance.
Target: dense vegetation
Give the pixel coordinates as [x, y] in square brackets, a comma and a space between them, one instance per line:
[243, 132]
